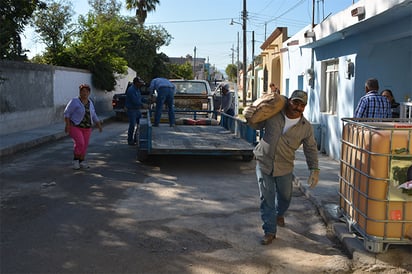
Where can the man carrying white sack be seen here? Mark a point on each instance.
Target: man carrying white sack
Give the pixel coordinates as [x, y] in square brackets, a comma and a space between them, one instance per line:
[285, 130]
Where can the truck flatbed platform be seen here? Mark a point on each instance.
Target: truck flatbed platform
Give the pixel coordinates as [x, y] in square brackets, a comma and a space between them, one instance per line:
[189, 139]
[235, 138]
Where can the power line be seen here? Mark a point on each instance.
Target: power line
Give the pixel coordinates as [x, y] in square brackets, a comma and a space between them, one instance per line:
[287, 11]
[190, 21]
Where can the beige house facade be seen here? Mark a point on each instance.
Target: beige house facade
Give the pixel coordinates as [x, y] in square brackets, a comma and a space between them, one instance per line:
[271, 55]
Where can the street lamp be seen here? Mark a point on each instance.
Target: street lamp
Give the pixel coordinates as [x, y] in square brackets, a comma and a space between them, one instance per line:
[232, 22]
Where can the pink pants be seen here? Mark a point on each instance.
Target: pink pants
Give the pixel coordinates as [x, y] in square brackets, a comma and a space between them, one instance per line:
[80, 138]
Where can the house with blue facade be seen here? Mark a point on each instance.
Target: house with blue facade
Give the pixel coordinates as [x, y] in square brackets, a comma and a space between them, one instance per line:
[333, 59]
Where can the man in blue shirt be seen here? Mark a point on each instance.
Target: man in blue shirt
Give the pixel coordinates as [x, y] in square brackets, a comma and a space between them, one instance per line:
[372, 104]
[133, 104]
[165, 95]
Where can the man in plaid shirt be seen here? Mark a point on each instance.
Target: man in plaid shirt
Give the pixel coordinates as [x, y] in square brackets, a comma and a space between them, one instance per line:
[372, 104]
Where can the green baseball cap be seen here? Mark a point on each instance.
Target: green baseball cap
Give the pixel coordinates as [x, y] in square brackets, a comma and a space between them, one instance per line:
[300, 95]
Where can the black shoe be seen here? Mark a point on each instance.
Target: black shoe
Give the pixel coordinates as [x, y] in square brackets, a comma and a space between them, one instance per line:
[268, 238]
[280, 221]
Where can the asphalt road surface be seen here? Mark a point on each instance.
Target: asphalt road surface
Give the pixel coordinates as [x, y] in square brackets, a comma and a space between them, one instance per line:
[170, 215]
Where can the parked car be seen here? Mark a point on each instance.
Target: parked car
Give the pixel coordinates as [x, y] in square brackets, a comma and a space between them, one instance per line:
[118, 101]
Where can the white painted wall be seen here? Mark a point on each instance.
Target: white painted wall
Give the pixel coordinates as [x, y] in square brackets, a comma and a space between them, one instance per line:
[35, 95]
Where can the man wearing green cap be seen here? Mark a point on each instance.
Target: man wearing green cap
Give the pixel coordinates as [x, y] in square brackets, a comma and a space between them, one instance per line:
[284, 133]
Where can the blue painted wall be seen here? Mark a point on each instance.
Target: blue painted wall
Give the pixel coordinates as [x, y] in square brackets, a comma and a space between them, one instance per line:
[383, 52]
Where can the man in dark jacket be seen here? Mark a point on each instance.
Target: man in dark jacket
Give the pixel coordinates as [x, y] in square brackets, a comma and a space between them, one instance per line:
[133, 104]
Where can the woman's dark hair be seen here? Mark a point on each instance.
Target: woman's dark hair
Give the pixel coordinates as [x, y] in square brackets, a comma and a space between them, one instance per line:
[390, 92]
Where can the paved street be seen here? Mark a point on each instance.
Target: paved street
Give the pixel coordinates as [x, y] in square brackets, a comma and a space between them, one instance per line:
[173, 214]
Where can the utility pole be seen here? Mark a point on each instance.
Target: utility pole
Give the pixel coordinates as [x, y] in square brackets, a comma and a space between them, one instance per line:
[194, 63]
[253, 67]
[233, 54]
[244, 17]
[237, 64]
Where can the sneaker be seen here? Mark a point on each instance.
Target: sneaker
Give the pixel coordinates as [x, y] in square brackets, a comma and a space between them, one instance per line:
[83, 164]
[280, 221]
[76, 164]
[268, 238]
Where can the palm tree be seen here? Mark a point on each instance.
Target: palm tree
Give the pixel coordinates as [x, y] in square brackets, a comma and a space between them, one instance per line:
[142, 8]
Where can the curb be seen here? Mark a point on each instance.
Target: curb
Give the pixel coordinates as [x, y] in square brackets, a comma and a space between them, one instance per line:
[31, 144]
[37, 141]
[349, 241]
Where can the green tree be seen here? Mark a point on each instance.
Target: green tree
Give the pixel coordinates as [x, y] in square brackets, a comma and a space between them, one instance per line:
[231, 72]
[160, 66]
[100, 48]
[14, 16]
[105, 7]
[183, 71]
[142, 8]
[142, 44]
[55, 29]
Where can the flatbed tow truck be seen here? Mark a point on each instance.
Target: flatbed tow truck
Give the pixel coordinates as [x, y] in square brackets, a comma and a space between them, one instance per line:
[231, 137]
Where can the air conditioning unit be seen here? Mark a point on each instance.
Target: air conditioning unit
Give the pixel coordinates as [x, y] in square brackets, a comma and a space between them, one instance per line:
[358, 11]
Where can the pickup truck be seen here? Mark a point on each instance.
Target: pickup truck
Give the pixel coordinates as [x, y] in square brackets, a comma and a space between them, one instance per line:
[190, 95]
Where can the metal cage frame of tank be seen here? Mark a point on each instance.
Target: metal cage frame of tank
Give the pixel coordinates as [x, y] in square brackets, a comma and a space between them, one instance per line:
[358, 198]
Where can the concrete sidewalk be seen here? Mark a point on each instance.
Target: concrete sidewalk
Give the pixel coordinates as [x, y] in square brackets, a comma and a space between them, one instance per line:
[23, 140]
[324, 196]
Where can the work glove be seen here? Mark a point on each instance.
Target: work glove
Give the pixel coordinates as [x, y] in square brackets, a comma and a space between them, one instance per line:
[313, 178]
[249, 111]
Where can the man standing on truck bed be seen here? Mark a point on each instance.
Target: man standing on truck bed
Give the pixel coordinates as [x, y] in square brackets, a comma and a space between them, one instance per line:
[228, 101]
[133, 104]
[165, 95]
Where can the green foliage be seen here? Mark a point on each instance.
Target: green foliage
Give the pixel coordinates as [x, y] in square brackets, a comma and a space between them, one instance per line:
[104, 43]
[100, 49]
[160, 67]
[105, 7]
[231, 72]
[183, 71]
[55, 29]
[142, 44]
[14, 16]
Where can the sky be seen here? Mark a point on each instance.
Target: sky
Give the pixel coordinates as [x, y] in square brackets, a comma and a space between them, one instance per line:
[205, 25]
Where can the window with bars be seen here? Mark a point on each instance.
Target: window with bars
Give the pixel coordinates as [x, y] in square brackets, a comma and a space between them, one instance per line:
[329, 89]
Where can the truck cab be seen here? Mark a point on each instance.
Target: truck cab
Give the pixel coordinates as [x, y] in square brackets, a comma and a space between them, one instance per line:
[193, 95]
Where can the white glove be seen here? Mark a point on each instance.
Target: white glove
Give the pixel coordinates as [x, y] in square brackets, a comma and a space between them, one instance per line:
[313, 178]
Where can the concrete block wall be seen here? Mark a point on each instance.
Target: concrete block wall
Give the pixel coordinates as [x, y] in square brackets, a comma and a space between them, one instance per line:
[34, 95]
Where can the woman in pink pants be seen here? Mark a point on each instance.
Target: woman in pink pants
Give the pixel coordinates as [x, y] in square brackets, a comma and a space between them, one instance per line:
[80, 116]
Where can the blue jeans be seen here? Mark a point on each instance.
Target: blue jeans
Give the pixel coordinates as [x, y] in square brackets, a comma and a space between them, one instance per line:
[165, 96]
[134, 117]
[275, 196]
